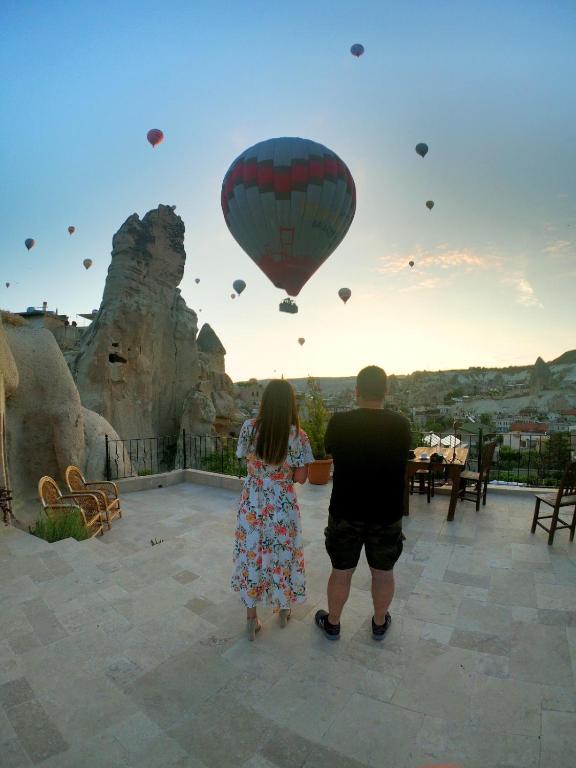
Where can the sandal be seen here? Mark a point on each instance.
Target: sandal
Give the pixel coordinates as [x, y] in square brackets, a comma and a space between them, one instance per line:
[285, 614]
[253, 626]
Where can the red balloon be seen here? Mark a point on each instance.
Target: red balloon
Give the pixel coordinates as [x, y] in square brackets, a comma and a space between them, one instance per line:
[155, 136]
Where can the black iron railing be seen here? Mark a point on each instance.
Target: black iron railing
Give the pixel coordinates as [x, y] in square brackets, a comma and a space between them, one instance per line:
[142, 456]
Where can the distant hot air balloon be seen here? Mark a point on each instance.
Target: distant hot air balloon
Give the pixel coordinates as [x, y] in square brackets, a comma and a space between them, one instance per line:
[232, 295]
[155, 136]
[238, 286]
[422, 149]
[87, 263]
[357, 50]
[429, 204]
[288, 202]
[7, 285]
[71, 230]
[301, 341]
[29, 243]
[344, 294]
[411, 263]
[197, 280]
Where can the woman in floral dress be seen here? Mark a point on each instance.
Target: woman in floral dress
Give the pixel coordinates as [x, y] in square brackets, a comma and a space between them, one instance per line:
[268, 555]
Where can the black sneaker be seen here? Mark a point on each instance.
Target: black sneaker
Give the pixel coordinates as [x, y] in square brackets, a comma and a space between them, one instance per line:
[379, 630]
[331, 631]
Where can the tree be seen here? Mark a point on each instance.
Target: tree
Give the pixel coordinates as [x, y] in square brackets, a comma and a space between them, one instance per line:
[316, 419]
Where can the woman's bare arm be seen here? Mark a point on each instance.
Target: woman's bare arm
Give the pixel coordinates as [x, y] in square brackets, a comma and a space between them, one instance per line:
[301, 474]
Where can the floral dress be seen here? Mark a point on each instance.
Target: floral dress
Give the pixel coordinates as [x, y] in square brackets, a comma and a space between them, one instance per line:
[268, 555]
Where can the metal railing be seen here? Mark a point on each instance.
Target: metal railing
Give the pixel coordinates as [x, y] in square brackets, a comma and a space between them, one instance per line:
[519, 459]
[528, 459]
[140, 456]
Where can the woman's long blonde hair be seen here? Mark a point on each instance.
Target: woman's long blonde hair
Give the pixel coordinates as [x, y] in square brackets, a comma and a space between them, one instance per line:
[278, 413]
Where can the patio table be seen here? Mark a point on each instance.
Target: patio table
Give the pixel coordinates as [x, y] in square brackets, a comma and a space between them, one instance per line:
[455, 462]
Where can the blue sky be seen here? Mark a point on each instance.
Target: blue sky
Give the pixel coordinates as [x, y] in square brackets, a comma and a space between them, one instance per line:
[489, 86]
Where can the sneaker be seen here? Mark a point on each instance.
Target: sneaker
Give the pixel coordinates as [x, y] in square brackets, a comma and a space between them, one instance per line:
[331, 631]
[379, 630]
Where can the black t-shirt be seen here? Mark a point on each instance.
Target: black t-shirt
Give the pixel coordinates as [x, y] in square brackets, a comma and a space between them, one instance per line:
[370, 451]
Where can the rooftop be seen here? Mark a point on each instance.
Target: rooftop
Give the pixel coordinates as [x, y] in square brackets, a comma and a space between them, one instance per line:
[115, 653]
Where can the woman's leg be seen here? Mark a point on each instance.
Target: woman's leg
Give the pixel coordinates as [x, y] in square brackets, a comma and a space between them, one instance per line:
[251, 613]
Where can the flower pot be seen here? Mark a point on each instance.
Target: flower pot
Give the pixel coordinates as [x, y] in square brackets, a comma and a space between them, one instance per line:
[319, 471]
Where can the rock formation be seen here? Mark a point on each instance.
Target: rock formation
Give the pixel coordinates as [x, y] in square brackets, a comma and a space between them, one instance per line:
[8, 385]
[540, 377]
[140, 364]
[46, 427]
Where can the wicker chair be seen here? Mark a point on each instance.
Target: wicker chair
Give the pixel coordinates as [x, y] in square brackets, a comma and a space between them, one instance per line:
[106, 491]
[565, 497]
[474, 485]
[54, 503]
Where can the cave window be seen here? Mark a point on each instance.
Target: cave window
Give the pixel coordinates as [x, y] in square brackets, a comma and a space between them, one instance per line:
[115, 344]
[114, 358]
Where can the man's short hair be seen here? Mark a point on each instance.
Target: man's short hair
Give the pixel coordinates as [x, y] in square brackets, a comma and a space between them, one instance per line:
[371, 383]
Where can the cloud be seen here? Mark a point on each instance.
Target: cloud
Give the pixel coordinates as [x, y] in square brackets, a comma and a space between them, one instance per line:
[441, 257]
[524, 291]
[557, 246]
[422, 285]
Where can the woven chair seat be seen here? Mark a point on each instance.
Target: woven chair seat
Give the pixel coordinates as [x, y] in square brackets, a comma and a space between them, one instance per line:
[550, 498]
[469, 475]
[106, 491]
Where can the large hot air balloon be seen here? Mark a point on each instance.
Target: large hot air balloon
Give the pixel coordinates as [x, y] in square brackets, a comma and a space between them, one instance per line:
[155, 136]
[197, 280]
[344, 294]
[29, 243]
[301, 341]
[411, 263]
[238, 286]
[429, 204]
[422, 149]
[87, 263]
[288, 202]
[357, 50]
[71, 230]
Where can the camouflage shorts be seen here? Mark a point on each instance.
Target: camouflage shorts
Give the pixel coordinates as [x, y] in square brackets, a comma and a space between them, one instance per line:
[345, 539]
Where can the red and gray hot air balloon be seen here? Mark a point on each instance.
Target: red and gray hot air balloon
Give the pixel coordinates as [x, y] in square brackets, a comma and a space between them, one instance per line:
[344, 294]
[155, 136]
[238, 286]
[288, 202]
[29, 243]
[71, 230]
[87, 263]
[429, 204]
[357, 50]
[301, 341]
[422, 149]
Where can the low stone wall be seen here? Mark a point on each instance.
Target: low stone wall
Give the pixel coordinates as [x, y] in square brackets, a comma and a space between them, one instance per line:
[165, 479]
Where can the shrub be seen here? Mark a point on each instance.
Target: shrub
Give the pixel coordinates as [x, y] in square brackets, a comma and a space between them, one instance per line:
[317, 418]
[224, 462]
[65, 525]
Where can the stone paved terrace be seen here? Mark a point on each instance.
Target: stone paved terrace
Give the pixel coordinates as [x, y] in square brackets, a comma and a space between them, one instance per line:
[116, 653]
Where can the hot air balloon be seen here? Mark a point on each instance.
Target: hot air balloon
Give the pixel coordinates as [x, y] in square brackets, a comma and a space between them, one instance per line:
[288, 202]
[422, 149]
[87, 263]
[429, 204]
[7, 285]
[238, 286]
[71, 230]
[357, 50]
[344, 294]
[155, 136]
[411, 263]
[301, 341]
[232, 295]
[29, 243]
[197, 280]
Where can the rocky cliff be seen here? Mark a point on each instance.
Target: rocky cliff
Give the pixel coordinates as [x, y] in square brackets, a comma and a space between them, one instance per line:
[140, 364]
[540, 377]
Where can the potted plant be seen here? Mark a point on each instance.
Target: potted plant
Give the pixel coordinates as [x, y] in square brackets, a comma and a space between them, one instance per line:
[315, 427]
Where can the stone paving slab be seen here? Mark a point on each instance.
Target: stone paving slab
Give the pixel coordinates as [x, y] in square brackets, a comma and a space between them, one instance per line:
[117, 653]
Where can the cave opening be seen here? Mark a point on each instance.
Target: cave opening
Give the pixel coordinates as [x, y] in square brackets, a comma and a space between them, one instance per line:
[114, 358]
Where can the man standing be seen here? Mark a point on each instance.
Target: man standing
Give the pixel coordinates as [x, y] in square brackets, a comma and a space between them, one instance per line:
[369, 447]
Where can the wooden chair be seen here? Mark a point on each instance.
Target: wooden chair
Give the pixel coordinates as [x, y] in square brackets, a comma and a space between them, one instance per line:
[104, 489]
[474, 485]
[565, 497]
[54, 503]
[427, 480]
